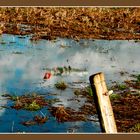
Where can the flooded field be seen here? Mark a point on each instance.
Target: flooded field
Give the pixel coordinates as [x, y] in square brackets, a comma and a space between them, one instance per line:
[23, 64]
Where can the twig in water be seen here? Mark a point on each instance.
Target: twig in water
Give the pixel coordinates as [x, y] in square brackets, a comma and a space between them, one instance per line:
[13, 126]
[43, 114]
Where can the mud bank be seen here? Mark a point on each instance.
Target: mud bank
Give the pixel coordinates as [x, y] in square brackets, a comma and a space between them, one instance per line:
[77, 23]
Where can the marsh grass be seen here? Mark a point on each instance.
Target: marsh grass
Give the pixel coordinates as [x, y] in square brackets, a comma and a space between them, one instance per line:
[122, 87]
[61, 85]
[138, 78]
[135, 128]
[89, 90]
[115, 96]
[33, 106]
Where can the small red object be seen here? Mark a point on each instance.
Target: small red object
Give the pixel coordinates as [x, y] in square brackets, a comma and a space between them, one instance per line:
[47, 75]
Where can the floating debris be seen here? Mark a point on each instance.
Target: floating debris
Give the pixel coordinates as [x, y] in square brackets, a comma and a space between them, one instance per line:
[47, 75]
[29, 123]
[122, 73]
[17, 52]
[54, 100]
[12, 42]
[3, 43]
[64, 46]
[22, 37]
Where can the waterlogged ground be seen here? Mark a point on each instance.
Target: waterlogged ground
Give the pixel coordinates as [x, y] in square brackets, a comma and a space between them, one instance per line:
[23, 64]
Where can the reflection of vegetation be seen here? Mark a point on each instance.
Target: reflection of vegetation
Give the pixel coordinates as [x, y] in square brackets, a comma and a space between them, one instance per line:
[61, 85]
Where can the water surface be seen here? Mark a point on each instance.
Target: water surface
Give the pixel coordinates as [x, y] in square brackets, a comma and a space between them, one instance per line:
[23, 64]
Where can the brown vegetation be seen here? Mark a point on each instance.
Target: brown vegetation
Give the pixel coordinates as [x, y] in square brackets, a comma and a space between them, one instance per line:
[77, 23]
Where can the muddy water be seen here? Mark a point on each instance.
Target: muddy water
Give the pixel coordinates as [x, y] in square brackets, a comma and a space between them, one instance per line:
[23, 64]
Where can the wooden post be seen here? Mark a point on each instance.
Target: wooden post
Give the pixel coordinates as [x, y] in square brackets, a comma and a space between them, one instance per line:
[103, 104]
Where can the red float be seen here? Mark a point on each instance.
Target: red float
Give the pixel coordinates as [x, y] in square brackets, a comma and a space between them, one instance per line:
[47, 75]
